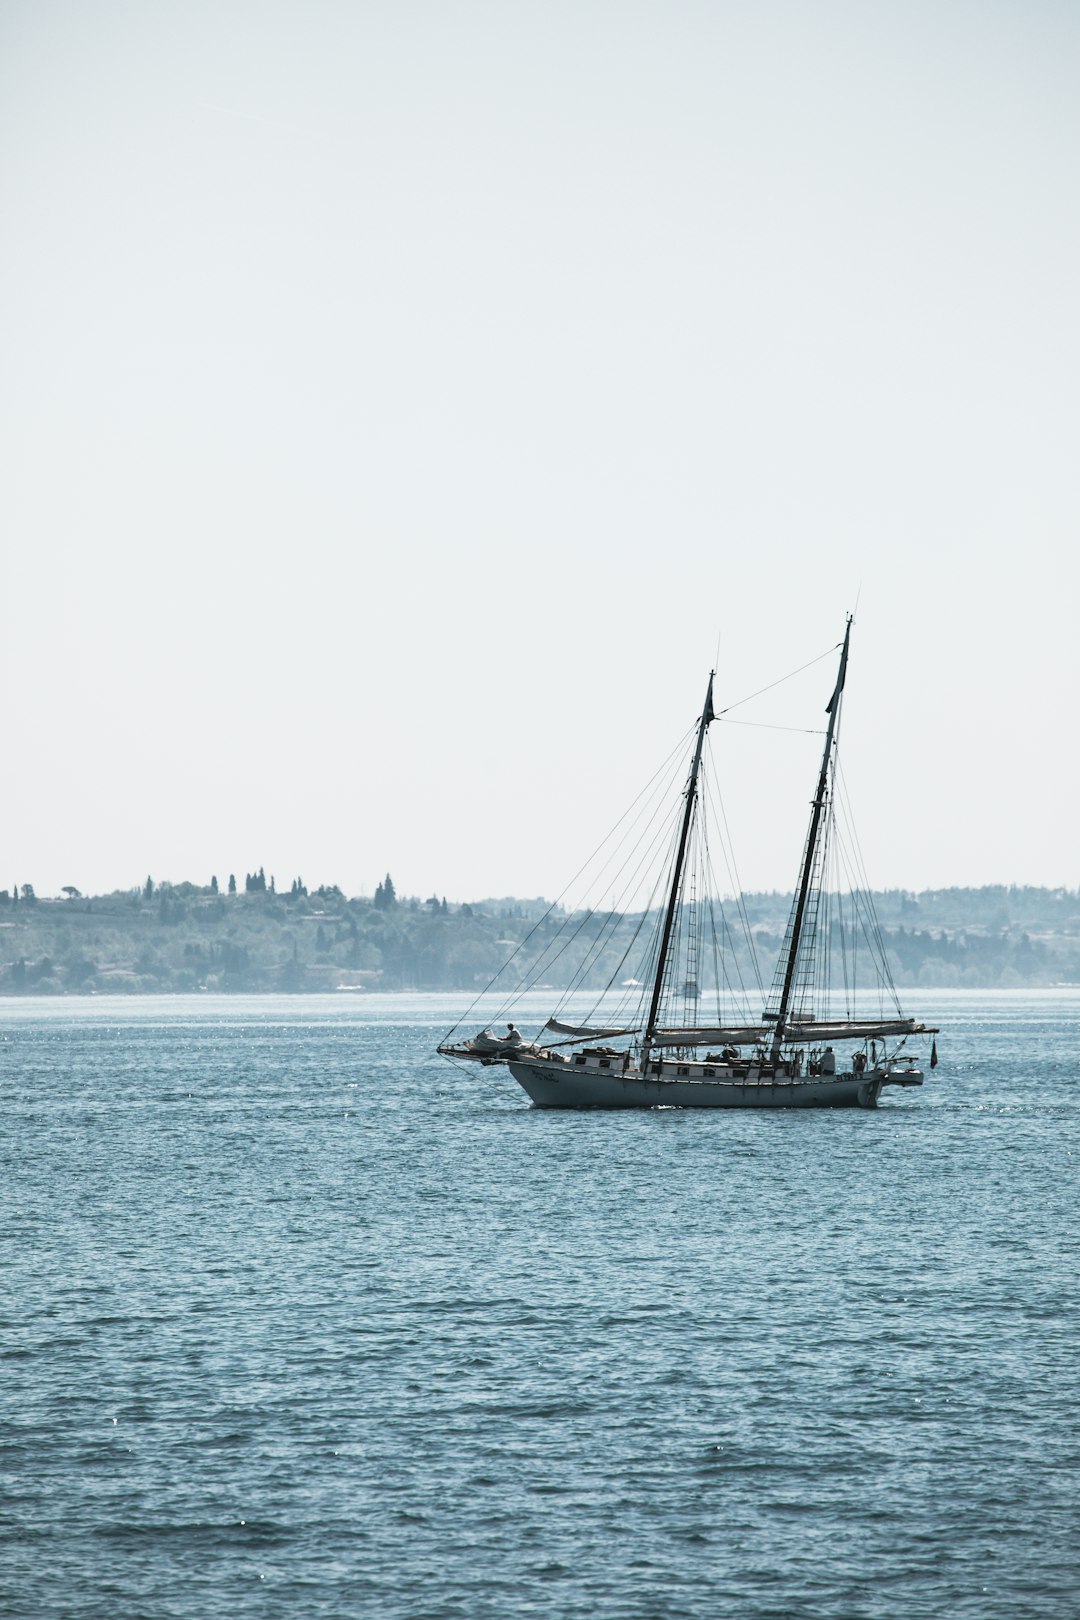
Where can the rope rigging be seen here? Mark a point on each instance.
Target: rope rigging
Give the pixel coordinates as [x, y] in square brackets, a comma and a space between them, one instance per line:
[615, 947]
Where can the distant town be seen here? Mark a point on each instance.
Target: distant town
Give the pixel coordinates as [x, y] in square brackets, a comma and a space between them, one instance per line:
[251, 935]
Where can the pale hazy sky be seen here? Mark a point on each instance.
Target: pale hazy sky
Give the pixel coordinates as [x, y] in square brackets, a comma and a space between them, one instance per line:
[400, 400]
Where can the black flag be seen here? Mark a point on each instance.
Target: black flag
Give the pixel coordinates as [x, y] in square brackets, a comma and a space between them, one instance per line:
[831, 705]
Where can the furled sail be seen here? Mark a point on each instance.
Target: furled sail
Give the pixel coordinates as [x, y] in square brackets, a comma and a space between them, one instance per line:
[854, 1029]
[809, 1031]
[727, 1035]
[585, 1031]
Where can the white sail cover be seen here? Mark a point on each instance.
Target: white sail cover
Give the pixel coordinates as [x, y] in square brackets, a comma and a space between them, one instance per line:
[854, 1029]
[838, 1029]
[726, 1035]
[585, 1032]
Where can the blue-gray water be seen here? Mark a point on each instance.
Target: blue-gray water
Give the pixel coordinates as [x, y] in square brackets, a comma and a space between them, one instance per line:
[297, 1319]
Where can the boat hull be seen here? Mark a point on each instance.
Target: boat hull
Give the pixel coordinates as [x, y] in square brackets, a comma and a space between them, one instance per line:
[559, 1085]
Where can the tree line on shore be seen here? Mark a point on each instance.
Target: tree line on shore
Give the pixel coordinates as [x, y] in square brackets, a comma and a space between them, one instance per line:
[250, 936]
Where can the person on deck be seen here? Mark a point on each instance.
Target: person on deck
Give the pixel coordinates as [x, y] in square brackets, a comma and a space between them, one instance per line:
[513, 1038]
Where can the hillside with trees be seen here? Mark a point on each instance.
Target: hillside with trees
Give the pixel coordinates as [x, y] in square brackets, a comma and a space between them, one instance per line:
[248, 935]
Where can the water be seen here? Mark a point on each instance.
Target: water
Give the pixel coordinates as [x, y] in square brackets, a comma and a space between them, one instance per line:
[297, 1319]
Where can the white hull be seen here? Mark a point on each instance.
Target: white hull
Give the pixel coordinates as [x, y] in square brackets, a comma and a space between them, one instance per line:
[561, 1085]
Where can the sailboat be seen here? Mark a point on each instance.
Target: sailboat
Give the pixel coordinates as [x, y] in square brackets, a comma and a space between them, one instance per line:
[803, 1051]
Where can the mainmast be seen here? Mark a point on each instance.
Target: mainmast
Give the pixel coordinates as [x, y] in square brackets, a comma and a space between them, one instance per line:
[820, 796]
[707, 714]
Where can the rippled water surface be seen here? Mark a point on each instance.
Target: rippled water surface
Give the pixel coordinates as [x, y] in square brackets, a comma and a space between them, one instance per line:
[297, 1319]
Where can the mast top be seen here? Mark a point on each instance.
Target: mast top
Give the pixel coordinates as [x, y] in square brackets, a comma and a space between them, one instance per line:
[842, 673]
[810, 853]
[708, 713]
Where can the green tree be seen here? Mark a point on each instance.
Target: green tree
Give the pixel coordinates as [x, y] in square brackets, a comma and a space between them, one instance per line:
[148, 889]
[385, 895]
[232, 882]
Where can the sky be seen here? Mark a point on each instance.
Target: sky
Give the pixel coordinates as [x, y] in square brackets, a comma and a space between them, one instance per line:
[404, 406]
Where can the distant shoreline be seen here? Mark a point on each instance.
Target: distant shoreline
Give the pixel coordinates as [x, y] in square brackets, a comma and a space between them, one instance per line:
[187, 939]
[136, 997]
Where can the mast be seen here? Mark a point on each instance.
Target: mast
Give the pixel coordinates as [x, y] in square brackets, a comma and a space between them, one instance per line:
[811, 850]
[707, 714]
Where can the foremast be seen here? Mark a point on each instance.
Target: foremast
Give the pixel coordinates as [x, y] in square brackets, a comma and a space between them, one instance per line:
[809, 857]
[707, 714]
